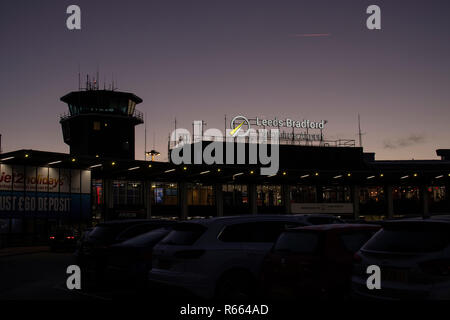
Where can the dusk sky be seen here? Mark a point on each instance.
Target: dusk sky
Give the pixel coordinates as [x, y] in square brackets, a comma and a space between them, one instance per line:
[196, 59]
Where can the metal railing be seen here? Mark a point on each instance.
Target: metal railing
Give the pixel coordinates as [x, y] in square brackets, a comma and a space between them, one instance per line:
[136, 114]
[283, 141]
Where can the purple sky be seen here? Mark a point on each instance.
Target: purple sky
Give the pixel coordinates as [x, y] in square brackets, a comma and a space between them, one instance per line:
[196, 59]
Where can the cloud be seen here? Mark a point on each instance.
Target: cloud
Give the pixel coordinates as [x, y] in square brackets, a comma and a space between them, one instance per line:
[411, 140]
[310, 35]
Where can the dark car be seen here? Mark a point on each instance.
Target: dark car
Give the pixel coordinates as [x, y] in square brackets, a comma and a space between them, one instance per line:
[413, 257]
[92, 253]
[128, 262]
[63, 240]
[314, 261]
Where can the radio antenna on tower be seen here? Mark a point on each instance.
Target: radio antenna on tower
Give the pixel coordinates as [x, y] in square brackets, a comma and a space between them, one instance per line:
[360, 134]
[145, 136]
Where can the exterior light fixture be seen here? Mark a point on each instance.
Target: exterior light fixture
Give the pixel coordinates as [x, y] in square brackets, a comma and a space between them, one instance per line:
[95, 166]
[370, 177]
[8, 158]
[337, 177]
[349, 174]
[415, 174]
[97, 156]
[184, 168]
[316, 174]
[134, 168]
[218, 170]
[113, 163]
[252, 172]
[237, 174]
[149, 165]
[304, 176]
[73, 159]
[170, 170]
[284, 173]
[381, 175]
[54, 162]
[205, 172]
[404, 177]
[27, 155]
[438, 177]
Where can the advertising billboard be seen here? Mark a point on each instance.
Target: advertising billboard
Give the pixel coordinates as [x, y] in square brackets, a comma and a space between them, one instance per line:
[43, 192]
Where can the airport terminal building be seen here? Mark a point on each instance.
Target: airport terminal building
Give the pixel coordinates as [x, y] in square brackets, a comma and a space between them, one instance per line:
[100, 179]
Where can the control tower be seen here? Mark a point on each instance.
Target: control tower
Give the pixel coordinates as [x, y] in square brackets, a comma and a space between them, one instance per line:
[100, 123]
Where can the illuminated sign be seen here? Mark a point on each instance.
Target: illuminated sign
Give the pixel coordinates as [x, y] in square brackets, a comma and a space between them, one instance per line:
[238, 124]
[44, 192]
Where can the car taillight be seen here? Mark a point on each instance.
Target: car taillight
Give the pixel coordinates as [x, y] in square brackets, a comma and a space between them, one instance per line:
[189, 254]
[70, 237]
[52, 238]
[440, 267]
[357, 258]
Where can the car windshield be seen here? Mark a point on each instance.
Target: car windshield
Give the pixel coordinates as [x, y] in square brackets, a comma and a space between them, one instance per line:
[297, 242]
[410, 238]
[104, 232]
[147, 239]
[184, 234]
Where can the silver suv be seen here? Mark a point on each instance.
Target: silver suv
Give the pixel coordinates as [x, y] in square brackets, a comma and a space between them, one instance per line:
[221, 257]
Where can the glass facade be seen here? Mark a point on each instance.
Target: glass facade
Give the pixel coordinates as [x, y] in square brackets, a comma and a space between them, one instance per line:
[200, 195]
[164, 193]
[336, 194]
[269, 195]
[303, 194]
[235, 194]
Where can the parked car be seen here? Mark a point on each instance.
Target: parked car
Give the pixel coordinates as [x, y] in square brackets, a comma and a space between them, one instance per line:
[220, 257]
[63, 239]
[313, 261]
[92, 253]
[129, 262]
[414, 260]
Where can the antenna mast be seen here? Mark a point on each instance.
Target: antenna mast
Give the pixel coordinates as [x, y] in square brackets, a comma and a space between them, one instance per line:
[145, 136]
[360, 134]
